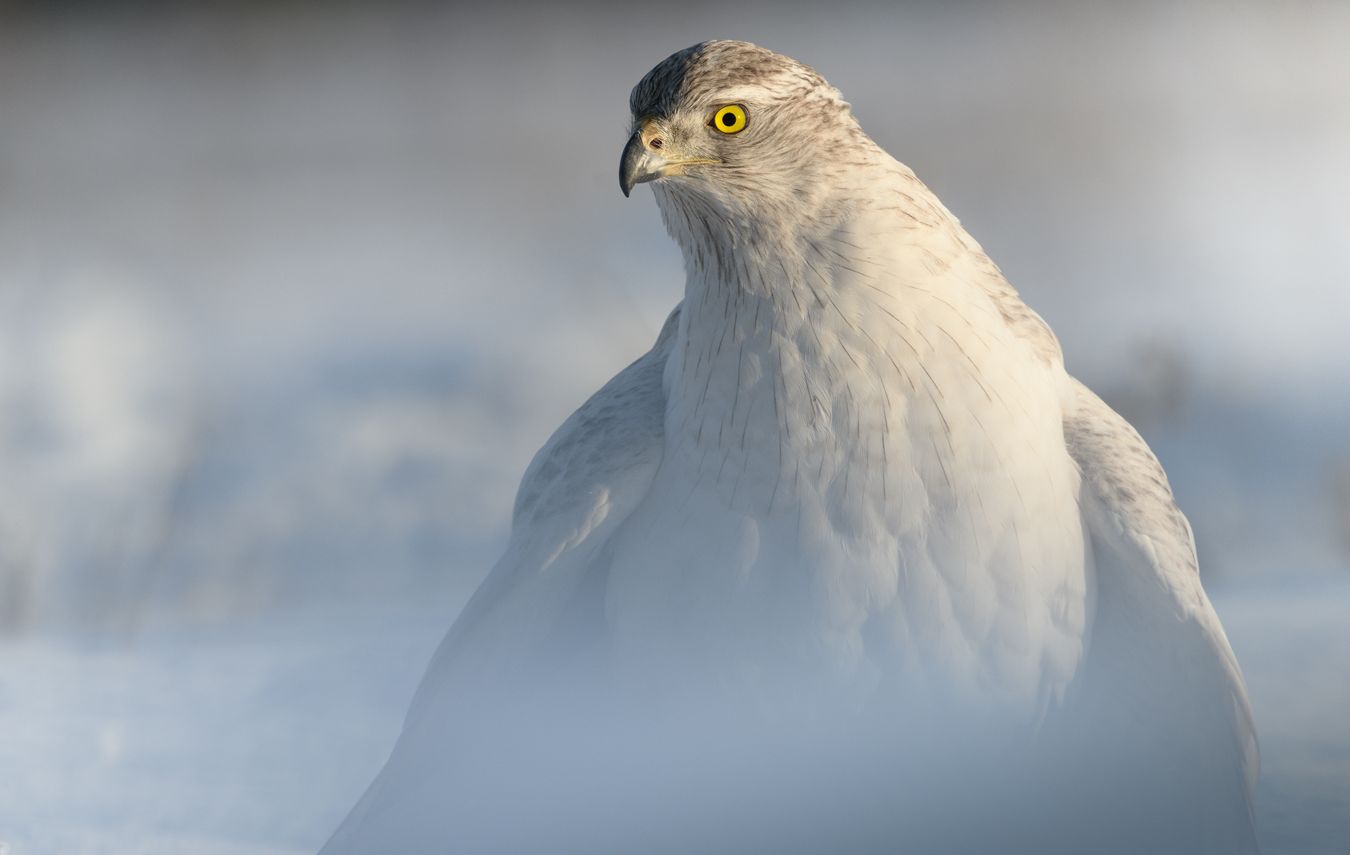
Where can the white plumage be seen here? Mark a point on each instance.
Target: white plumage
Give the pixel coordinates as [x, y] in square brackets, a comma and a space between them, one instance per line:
[846, 562]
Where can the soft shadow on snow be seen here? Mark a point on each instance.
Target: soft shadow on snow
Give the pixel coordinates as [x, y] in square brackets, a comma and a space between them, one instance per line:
[258, 739]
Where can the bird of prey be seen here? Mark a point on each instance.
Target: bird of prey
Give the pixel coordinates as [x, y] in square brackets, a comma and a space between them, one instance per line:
[846, 563]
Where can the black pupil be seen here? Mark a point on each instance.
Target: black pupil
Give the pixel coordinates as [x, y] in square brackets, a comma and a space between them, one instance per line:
[728, 119]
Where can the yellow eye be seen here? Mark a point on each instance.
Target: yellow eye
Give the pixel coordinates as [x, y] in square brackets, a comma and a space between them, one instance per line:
[729, 119]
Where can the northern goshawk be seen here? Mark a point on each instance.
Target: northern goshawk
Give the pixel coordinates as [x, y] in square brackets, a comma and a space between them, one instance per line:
[846, 563]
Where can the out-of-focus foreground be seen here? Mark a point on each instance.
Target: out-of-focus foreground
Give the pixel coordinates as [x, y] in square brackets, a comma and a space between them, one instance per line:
[289, 296]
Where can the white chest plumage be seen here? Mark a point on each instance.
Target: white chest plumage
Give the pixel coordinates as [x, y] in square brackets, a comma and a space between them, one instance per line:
[876, 471]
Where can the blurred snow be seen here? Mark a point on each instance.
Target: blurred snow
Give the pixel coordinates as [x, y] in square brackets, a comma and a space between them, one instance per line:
[288, 298]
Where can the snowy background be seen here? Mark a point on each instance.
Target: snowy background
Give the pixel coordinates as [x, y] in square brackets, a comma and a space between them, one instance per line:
[289, 295]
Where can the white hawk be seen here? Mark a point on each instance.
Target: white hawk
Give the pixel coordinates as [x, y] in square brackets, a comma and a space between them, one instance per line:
[846, 563]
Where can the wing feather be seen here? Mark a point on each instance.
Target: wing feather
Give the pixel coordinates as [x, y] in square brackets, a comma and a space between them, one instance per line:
[579, 488]
[1160, 669]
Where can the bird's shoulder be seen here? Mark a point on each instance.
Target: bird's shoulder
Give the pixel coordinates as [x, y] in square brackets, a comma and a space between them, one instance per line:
[586, 479]
[617, 430]
[1127, 494]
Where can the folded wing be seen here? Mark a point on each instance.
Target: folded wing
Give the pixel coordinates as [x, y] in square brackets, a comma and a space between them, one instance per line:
[524, 627]
[1164, 699]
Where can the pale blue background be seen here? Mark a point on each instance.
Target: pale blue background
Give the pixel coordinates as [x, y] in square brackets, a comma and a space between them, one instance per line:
[290, 294]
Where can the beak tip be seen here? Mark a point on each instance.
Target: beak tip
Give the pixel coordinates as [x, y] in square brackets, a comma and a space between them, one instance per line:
[632, 166]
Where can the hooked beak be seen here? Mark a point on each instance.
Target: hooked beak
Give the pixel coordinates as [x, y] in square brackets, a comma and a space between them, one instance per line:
[638, 164]
[642, 162]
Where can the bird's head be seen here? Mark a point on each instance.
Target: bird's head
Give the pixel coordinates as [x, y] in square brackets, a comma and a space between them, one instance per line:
[728, 126]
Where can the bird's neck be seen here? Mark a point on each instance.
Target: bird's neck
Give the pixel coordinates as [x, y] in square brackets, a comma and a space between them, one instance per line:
[797, 343]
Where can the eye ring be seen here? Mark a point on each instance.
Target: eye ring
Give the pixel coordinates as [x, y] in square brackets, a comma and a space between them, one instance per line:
[730, 119]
